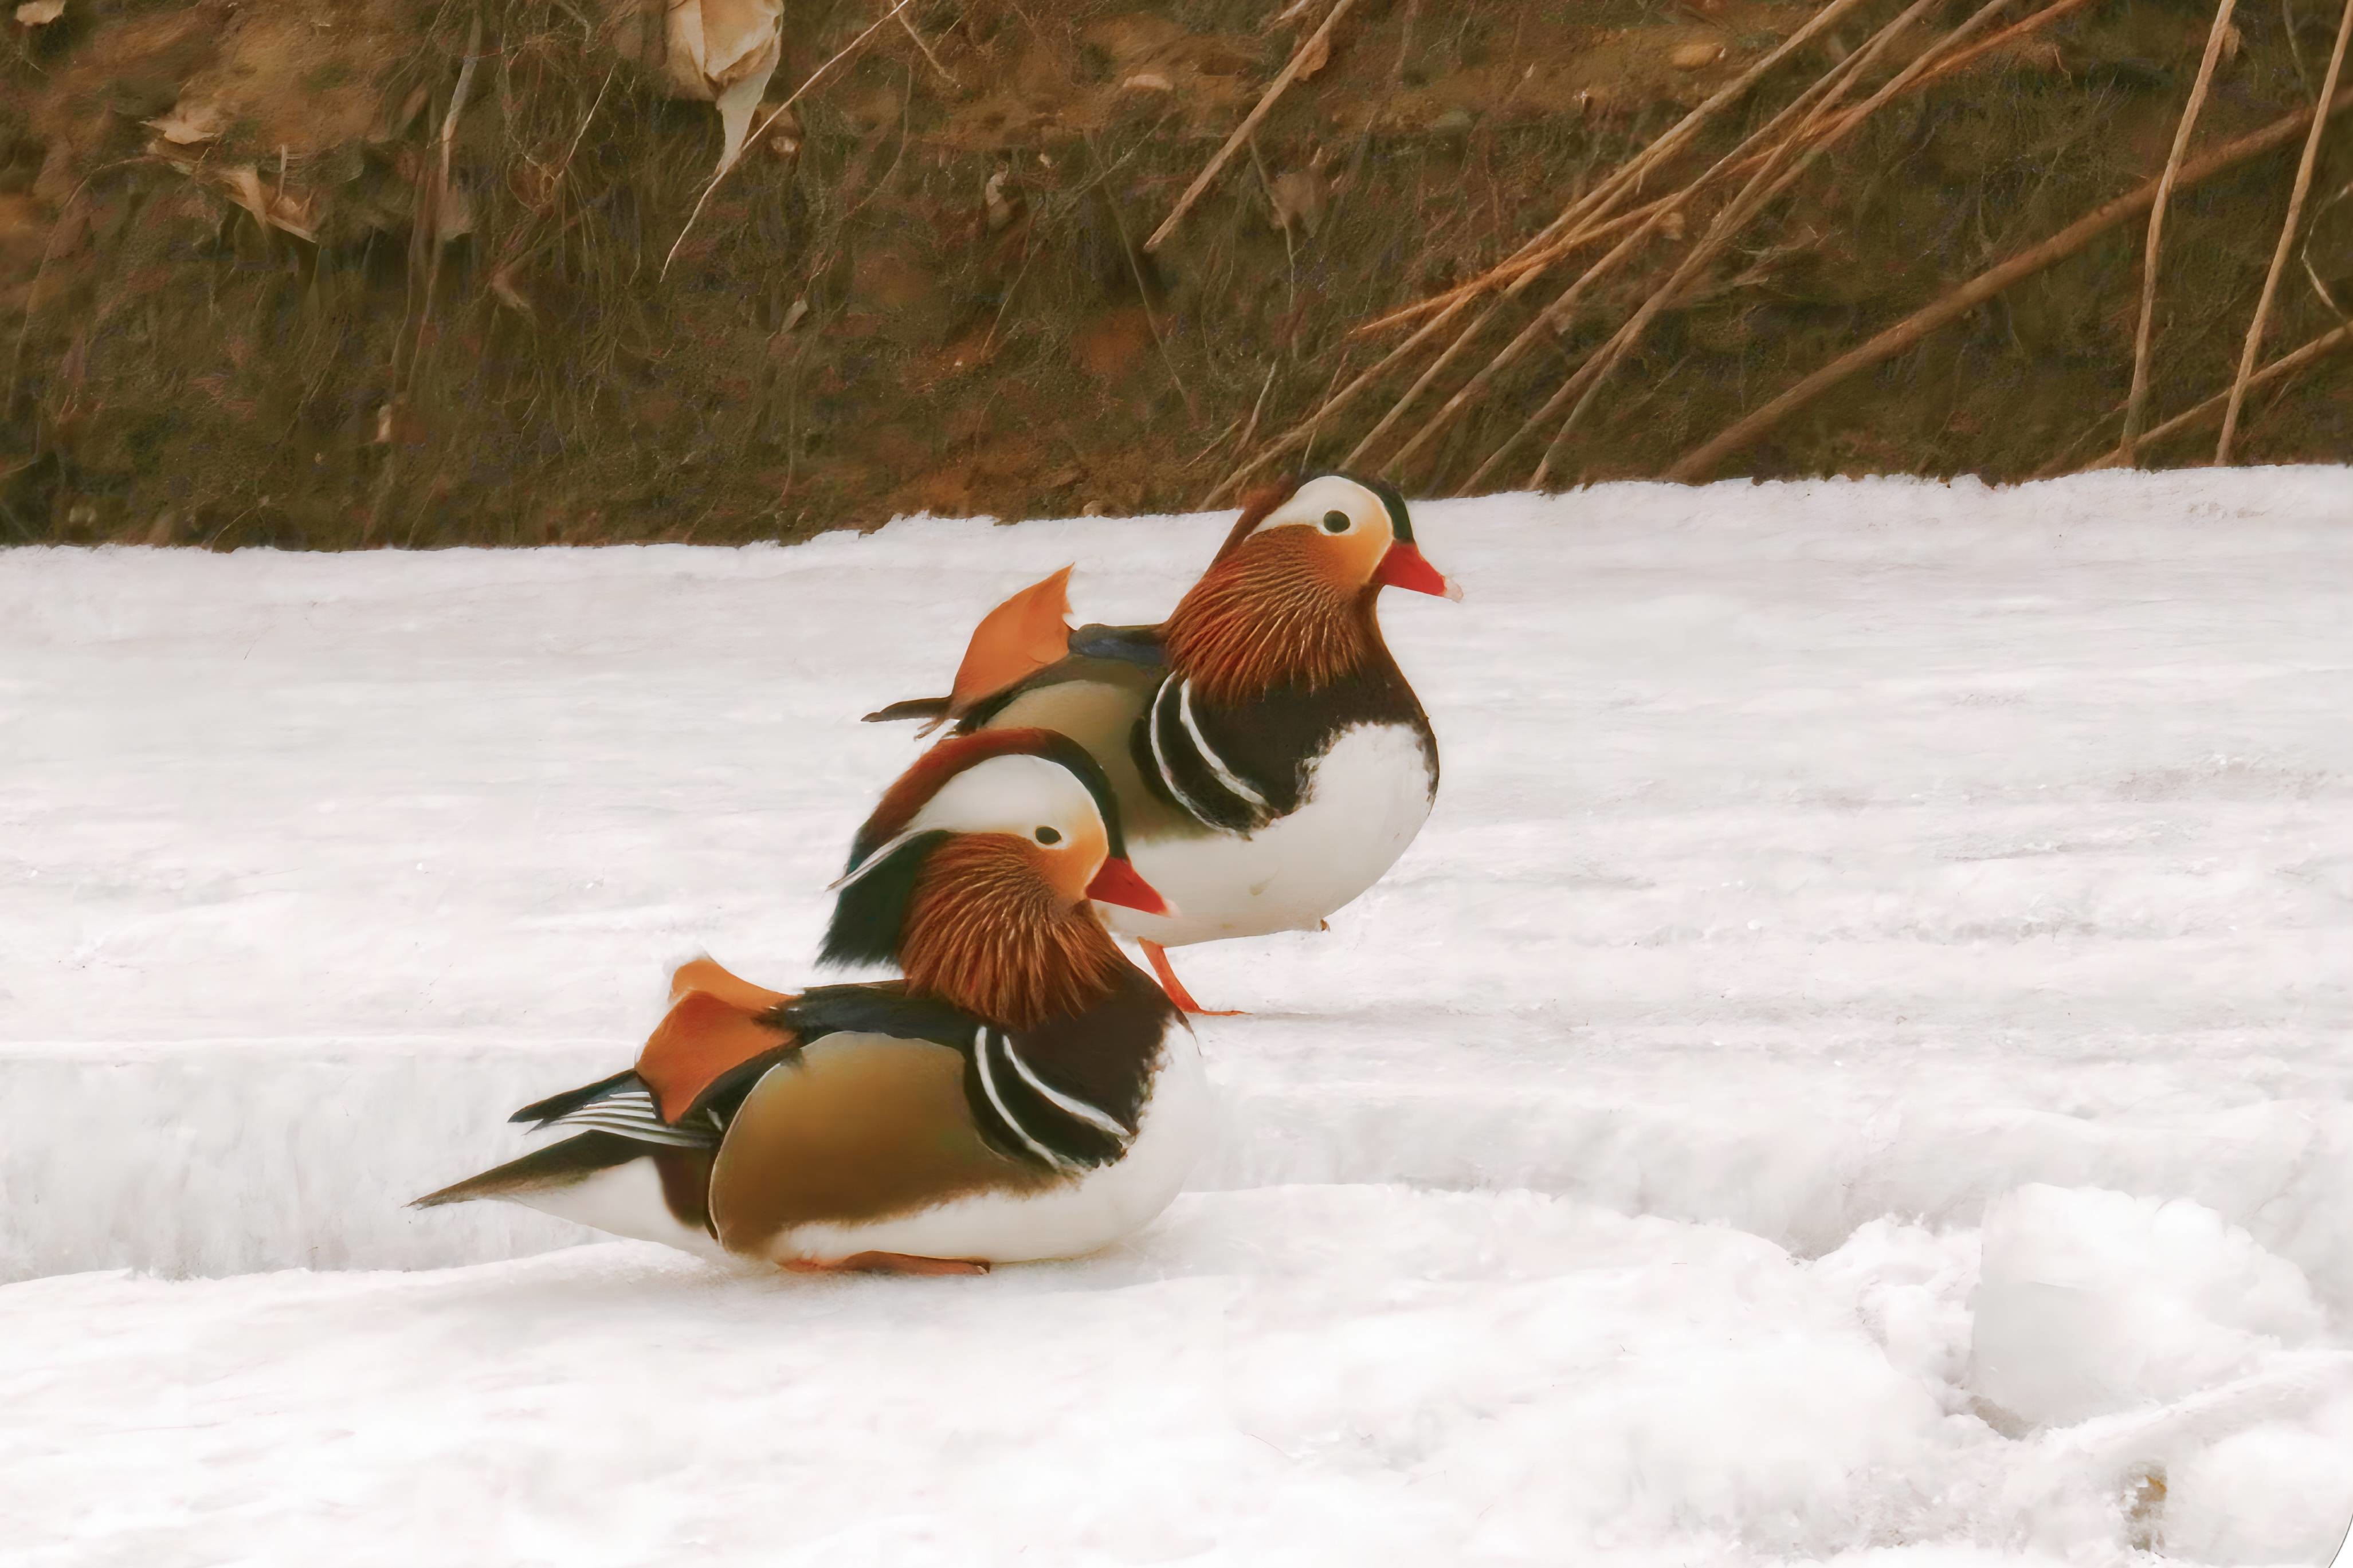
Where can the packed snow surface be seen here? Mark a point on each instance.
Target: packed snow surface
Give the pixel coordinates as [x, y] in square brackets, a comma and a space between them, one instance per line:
[1855, 1069]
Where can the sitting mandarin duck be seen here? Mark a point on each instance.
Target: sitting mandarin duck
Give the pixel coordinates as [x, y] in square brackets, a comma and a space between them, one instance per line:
[1270, 759]
[1024, 1092]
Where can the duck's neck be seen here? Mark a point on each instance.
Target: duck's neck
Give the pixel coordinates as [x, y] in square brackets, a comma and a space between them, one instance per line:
[1266, 616]
[985, 934]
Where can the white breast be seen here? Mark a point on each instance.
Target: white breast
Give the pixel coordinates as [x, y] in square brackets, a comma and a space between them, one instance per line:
[1365, 800]
[1089, 1211]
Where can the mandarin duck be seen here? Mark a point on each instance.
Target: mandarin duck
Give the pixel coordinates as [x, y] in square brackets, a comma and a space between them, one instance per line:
[1270, 759]
[1023, 1092]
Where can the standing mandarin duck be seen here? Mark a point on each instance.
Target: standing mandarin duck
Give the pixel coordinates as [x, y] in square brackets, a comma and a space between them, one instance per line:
[1023, 1092]
[1270, 759]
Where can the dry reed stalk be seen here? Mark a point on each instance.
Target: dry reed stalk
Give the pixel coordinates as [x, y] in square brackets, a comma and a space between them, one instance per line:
[1275, 89]
[1679, 135]
[2138, 404]
[1511, 271]
[1806, 110]
[1744, 209]
[1526, 258]
[1594, 204]
[2254, 346]
[1801, 110]
[1301, 434]
[922, 44]
[1958, 302]
[761, 129]
[425, 236]
[2287, 365]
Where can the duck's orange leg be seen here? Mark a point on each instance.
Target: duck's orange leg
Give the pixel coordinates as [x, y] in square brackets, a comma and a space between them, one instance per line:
[1158, 956]
[888, 1263]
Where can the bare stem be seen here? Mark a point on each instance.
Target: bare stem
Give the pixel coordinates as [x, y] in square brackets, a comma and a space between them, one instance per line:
[1957, 303]
[2254, 346]
[1275, 89]
[2137, 404]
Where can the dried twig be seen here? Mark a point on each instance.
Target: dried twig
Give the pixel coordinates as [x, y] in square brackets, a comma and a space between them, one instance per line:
[1589, 210]
[761, 130]
[2138, 404]
[2286, 242]
[424, 254]
[1556, 315]
[1831, 86]
[2287, 365]
[1299, 58]
[1762, 190]
[1803, 111]
[1144, 291]
[1302, 433]
[1703, 460]
[926, 47]
[1538, 255]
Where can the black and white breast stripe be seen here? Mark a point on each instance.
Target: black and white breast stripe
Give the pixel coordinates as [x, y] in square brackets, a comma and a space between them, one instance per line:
[1029, 1118]
[628, 1109]
[1197, 779]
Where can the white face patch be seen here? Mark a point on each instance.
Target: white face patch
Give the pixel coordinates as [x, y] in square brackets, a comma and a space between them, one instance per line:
[1014, 794]
[1334, 506]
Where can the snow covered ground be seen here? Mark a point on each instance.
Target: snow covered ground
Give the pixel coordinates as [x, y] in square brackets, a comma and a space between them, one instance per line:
[1859, 1066]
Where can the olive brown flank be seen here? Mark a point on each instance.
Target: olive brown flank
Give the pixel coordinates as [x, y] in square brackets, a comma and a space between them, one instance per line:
[986, 933]
[1268, 614]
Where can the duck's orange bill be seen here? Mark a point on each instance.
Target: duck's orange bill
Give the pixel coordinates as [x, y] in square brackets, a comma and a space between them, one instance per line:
[1118, 883]
[1405, 567]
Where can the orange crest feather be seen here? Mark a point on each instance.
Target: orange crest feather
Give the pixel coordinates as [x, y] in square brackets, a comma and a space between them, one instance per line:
[706, 974]
[1014, 641]
[715, 1023]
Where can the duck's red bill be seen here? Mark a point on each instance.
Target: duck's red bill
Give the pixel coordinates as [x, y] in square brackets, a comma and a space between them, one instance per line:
[1405, 567]
[1118, 883]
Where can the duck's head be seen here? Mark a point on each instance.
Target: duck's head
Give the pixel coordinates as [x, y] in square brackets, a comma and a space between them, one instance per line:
[1289, 597]
[1355, 534]
[975, 874]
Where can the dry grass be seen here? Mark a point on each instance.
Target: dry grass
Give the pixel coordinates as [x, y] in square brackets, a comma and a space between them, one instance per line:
[924, 288]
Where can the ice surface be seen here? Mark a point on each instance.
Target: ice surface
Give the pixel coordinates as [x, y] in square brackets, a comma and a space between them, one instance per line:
[2280, 1492]
[2089, 1303]
[1816, 865]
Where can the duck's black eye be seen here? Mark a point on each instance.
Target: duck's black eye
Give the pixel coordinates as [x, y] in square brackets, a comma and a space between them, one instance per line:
[1335, 522]
[1048, 836]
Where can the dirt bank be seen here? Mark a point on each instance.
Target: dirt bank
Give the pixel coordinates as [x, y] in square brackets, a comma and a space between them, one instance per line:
[241, 302]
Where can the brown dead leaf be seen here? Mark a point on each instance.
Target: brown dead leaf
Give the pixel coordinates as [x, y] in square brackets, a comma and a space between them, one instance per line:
[992, 197]
[1300, 197]
[720, 52]
[506, 292]
[282, 209]
[189, 124]
[39, 13]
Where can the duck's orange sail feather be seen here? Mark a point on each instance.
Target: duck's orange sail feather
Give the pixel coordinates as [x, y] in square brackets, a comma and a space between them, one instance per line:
[1014, 641]
[716, 1021]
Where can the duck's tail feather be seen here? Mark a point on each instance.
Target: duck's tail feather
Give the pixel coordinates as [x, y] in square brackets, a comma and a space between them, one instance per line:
[557, 1165]
[540, 1112]
[934, 707]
